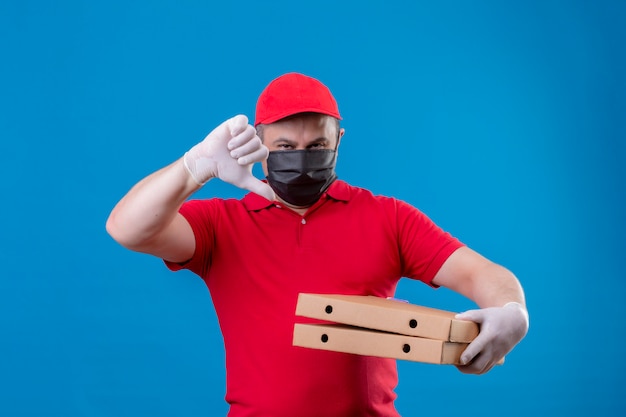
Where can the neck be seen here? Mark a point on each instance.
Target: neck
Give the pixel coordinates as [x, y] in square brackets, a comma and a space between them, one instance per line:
[297, 209]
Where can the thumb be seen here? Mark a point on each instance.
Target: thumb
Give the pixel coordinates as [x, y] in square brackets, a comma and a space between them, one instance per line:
[476, 316]
[259, 187]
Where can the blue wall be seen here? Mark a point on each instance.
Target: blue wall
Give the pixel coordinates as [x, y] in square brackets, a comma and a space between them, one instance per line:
[503, 122]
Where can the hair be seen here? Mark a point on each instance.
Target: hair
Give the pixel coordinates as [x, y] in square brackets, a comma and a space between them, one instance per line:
[260, 127]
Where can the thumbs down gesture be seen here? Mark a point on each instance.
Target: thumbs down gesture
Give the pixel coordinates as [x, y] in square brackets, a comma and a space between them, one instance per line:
[228, 153]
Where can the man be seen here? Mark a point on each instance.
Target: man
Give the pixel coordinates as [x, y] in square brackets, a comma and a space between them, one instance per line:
[303, 231]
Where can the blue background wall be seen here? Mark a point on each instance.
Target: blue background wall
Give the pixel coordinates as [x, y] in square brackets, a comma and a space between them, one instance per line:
[503, 121]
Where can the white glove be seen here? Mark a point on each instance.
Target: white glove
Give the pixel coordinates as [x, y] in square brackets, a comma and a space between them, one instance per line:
[501, 328]
[228, 153]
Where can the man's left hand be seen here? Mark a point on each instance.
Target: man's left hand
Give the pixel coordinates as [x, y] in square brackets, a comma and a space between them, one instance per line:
[501, 328]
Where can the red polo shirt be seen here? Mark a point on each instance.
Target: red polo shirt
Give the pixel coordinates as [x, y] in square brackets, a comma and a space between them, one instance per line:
[256, 257]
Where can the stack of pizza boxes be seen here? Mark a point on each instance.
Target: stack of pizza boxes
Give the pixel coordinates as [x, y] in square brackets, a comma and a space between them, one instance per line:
[375, 326]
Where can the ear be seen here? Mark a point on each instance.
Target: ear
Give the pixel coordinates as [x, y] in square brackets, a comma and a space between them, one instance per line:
[339, 136]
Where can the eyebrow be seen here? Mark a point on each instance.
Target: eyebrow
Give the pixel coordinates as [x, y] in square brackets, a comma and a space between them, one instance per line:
[294, 143]
[283, 140]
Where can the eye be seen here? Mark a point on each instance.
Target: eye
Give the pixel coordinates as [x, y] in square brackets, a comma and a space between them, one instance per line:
[318, 145]
[284, 146]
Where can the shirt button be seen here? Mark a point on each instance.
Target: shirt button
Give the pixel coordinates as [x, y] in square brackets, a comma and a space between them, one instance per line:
[278, 206]
[303, 221]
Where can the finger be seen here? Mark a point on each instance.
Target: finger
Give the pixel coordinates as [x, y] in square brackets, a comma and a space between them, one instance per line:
[237, 124]
[483, 362]
[475, 368]
[225, 130]
[259, 187]
[466, 369]
[243, 137]
[256, 156]
[247, 148]
[473, 350]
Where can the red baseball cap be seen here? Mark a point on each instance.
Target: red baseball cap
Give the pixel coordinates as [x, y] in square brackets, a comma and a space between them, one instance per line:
[294, 93]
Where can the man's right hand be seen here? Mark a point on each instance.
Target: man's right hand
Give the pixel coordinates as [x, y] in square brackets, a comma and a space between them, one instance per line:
[228, 153]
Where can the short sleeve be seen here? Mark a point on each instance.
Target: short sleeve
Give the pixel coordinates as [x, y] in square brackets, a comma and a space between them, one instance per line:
[424, 246]
[202, 217]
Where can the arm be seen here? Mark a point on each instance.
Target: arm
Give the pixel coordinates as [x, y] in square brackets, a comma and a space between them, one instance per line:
[147, 219]
[474, 276]
[503, 317]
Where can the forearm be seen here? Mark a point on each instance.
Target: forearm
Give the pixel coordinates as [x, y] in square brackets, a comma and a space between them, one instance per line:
[477, 278]
[494, 286]
[502, 316]
[150, 206]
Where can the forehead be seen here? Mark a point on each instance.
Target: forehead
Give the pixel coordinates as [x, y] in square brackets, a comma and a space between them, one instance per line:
[302, 125]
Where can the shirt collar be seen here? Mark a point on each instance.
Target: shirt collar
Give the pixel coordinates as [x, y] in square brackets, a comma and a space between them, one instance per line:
[338, 190]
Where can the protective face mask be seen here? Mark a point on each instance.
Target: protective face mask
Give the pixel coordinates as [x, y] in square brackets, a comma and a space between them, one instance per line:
[300, 177]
